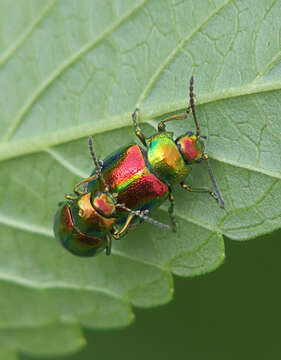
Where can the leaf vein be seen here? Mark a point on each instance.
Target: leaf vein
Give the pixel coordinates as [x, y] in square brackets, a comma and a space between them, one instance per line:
[66, 164]
[13, 48]
[172, 55]
[64, 66]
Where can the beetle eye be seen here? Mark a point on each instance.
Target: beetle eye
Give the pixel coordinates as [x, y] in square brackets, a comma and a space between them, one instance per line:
[189, 133]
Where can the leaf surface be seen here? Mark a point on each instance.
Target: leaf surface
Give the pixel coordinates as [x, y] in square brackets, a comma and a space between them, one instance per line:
[72, 69]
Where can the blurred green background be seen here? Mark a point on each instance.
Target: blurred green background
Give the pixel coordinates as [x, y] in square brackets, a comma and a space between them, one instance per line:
[232, 313]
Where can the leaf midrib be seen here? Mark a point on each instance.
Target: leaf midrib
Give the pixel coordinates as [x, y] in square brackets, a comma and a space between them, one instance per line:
[9, 150]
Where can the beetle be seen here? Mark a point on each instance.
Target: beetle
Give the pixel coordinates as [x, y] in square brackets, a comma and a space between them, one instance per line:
[86, 222]
[143, 176]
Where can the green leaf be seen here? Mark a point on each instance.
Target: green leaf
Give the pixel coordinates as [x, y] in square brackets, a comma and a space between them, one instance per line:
[50, 340]
[8, 353]
[71, 69]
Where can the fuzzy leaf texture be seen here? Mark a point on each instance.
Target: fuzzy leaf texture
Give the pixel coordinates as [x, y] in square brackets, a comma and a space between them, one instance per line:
[70, 69]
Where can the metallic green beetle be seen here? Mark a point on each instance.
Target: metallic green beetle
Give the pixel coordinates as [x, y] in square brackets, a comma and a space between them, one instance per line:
[143, 177]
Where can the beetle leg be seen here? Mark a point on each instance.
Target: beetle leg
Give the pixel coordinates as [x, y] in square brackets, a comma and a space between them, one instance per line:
[199, 190]
[138, 132]
[90, 178]
[171, 210]
[70, 197]
[162, 125]
[108, 246]
[118, 234]
[191, 107]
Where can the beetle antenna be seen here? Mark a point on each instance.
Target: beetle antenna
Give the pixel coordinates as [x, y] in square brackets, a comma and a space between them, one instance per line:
[192, 104]
[142, 215]
[220, 199]
[98, 164]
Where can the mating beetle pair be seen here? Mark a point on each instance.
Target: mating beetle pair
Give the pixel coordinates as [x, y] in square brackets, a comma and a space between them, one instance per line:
[86, 222]
[128, 184]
